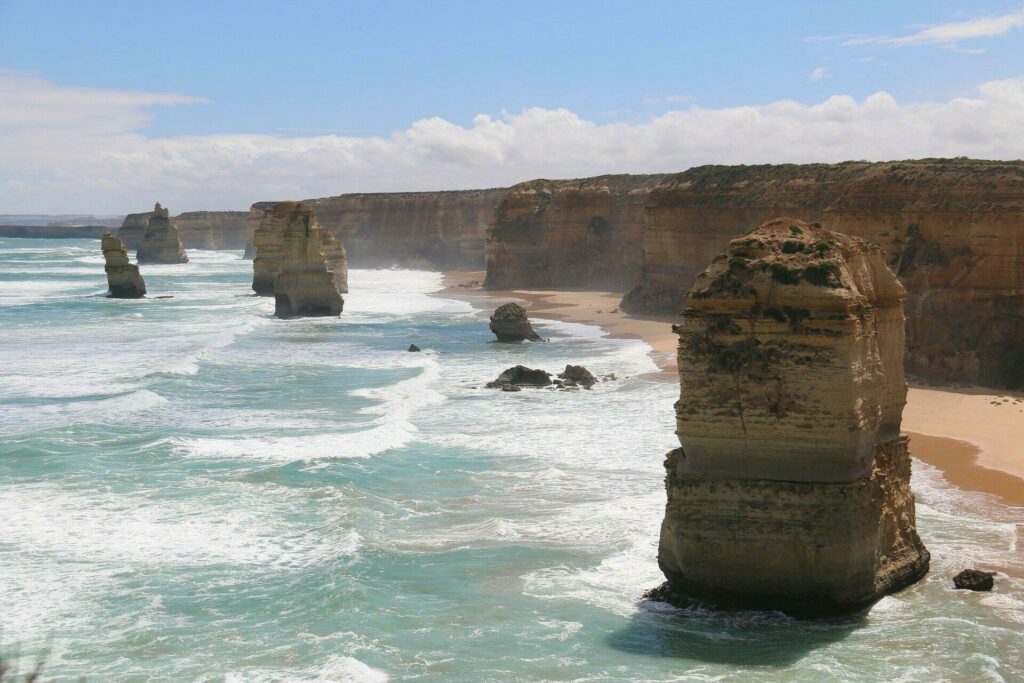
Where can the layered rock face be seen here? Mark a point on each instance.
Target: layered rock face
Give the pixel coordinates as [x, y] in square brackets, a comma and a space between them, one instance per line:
[252, 224]
[132, 228]
[792, 487]
[953, 230]
[269, 246]
[212, 229]
[569, 233]
[439, 230]
[160, 242]
[305, 285]
[123, 278]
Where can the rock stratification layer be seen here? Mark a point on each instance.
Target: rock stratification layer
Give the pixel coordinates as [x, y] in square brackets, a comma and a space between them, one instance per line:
[123, 278]
[569, 233]
[951, 229]
[305, 284]
[160, 242]
[792, 487]
[270, 247]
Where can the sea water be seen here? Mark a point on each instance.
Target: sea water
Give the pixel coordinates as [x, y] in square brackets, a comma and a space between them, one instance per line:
[193, 489]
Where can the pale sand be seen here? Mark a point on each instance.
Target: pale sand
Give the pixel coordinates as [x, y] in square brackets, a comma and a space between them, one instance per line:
[975, 436]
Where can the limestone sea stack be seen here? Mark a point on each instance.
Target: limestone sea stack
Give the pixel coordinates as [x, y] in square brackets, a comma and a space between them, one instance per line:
[268, 243]
[510, 324]
[161, 243]
[123, 278]
[132, 228]
[792, 487]
[305, 284]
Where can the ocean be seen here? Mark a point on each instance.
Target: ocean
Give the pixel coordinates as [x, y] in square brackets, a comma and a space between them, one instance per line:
[192, 489]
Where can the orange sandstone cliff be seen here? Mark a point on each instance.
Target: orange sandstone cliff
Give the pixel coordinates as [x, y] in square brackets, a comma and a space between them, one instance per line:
[951, 229]
[569, 233]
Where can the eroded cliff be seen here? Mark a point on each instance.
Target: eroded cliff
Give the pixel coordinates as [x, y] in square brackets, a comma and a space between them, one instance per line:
[953, 230]
[271, 250]
[569, 233]
[212, 229]
[160, 242]
[792, 487]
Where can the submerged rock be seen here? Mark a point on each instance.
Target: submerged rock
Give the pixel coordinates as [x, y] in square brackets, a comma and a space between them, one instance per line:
[414, 348]
[521, 376]
[974, 580]
[792, 487]
[123, 278]
[510, 324]
[161, 242]
[305, 285]
[268, 245]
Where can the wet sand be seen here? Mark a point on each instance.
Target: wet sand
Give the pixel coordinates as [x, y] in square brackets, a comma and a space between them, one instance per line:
[973, 434]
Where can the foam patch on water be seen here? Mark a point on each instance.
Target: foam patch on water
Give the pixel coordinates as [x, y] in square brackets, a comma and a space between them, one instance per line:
[337, 669]
[22, 419]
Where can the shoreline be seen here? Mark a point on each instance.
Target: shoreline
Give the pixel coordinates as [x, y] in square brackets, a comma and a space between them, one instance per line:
[972, 434]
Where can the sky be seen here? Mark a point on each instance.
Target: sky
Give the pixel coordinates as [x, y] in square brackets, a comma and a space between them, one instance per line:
[107, 107]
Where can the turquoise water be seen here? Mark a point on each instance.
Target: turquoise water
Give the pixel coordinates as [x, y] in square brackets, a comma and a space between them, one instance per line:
[192, 489]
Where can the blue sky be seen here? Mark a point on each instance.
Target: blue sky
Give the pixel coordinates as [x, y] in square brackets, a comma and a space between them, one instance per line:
[370, 70]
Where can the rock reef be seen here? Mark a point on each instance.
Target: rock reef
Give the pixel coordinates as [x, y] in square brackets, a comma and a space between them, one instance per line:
[509, 323]
[792, 487]
[270, 247]
[123, 278]
[305, 283]
[160, 242]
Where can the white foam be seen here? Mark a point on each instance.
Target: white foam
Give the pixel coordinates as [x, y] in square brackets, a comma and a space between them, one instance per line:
[336, 669]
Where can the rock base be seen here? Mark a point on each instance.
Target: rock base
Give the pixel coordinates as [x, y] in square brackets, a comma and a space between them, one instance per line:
[802, 548]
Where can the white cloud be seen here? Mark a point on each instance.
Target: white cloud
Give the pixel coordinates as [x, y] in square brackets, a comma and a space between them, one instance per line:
[949, 34]
[65, 150]
[819, 73]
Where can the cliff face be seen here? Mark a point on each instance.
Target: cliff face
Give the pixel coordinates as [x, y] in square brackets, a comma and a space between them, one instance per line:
[123, 278]
[252, 223]
[271, 249]
[212, 229]
[442, 230]
[791, 490]
[132, 228]
[160, 242]
[306, 284]
[953, 230]
[569, 233]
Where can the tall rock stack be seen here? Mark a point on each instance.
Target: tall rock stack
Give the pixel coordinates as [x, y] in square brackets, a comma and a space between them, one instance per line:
[306, 285]
[792, 487]
[123, 278]
[132, 228]
[161, 243]
[268, 242]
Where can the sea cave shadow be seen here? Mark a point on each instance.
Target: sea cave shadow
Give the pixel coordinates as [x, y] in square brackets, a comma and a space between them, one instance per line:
[767, 639]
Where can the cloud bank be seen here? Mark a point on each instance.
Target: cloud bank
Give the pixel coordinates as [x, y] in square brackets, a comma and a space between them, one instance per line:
[65, 149]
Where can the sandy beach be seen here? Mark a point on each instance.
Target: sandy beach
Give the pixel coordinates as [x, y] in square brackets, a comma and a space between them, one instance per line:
[975, 435]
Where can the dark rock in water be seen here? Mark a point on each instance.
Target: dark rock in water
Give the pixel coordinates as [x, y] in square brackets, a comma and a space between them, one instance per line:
[510, 387]
[164, 296]
[577, 375]
[413, 348]
[520, 375]
[974, 580]
[510, 324]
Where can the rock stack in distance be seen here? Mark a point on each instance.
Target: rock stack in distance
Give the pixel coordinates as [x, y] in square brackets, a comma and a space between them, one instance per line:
[305, 284]
[161, 242]
[123, 278]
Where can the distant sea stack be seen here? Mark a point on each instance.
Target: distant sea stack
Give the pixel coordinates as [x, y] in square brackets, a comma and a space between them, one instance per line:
[268, 240]
[123, 278]
[792, 487]
[132, 228]
[160, 242]
[305, 285]
[569, 233]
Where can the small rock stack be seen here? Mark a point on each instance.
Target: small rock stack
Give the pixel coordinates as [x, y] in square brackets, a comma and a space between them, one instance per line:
[268, 243]
[161, 242]
[792, 487]
[123, 278]
[510, 324]
[305, 284]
